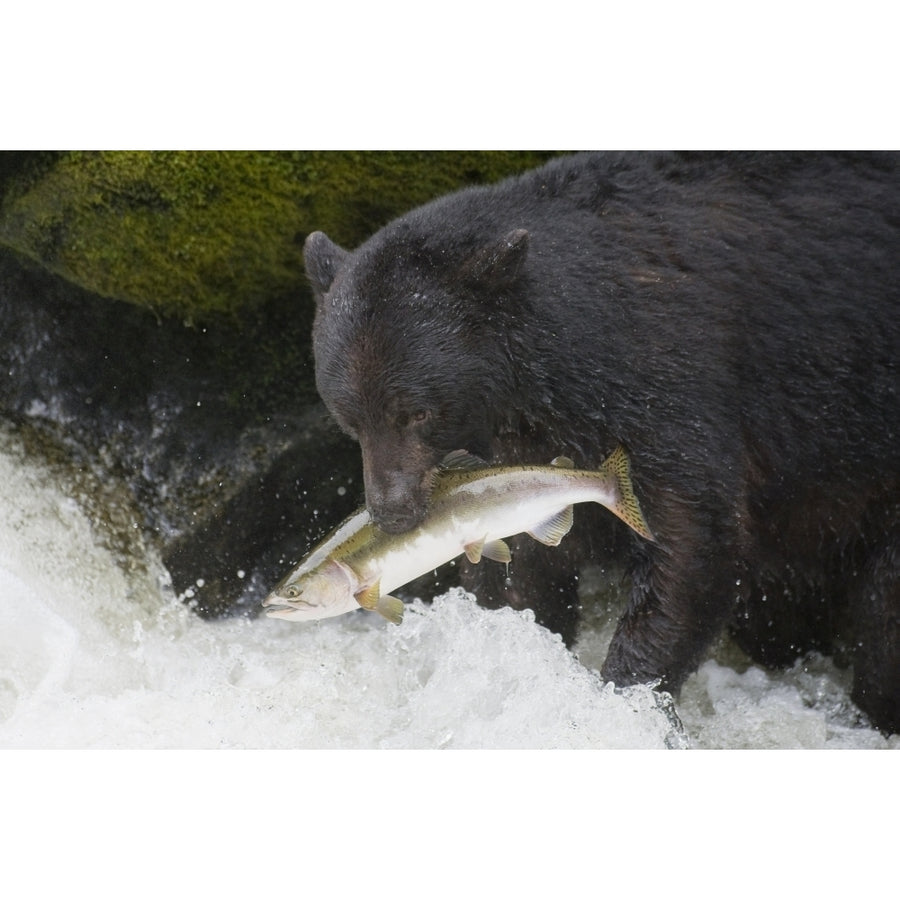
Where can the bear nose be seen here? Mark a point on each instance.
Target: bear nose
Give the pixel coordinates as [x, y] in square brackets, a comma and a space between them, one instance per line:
[393, 500]
[394, 521]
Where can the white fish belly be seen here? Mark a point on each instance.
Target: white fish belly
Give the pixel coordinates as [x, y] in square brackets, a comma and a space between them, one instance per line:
[422, 552]
[517, 512]
[430, 547]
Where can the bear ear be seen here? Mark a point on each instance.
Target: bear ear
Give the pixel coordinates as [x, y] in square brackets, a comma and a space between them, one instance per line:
[499, 263]
[323, 259]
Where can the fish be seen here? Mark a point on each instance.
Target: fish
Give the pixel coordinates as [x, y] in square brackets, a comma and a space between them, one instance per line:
[473, 508]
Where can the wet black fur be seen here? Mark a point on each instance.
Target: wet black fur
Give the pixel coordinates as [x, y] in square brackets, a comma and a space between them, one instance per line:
[732, 319]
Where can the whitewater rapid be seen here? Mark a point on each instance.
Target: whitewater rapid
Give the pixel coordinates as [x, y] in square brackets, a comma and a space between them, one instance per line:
[94, 654]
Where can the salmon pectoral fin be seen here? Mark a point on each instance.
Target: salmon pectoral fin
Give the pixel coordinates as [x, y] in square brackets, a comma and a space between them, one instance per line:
[554, 529]
[391, 608]
[368, 597]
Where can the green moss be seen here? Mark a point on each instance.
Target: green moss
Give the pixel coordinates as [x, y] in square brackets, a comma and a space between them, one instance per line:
[197, 234]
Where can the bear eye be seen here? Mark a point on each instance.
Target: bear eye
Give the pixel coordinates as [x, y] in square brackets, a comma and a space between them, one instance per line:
[417, 417]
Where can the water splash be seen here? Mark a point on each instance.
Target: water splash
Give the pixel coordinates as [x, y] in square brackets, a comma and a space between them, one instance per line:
[94, 656]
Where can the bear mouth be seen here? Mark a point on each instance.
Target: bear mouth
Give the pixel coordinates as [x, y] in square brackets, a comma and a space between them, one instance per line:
[397, 521]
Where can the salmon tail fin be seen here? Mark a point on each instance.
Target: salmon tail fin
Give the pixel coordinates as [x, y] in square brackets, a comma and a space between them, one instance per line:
[627, 507]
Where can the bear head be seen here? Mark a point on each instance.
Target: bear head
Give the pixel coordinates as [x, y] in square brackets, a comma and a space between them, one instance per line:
[412, 355]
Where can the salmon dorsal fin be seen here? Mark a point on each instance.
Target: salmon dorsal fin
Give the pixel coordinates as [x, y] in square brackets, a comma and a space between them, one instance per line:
[554, 529]
[462, 459]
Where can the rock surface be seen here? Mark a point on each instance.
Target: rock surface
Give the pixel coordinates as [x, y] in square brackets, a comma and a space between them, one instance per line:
[155, 343]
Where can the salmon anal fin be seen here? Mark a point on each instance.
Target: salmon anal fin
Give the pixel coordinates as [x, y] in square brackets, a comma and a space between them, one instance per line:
[554, 529]
[498, 551]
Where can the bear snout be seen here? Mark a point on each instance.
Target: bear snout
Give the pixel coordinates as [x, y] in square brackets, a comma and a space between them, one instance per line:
[396, 504]
[395, 521]
[397, 477]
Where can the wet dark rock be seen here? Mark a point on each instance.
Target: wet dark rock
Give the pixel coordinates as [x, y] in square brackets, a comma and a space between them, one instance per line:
[128, 405]
[155, 345]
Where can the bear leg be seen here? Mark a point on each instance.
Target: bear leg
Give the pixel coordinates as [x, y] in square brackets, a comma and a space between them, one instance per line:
[782, 620]
[876, 656]
[684, 590]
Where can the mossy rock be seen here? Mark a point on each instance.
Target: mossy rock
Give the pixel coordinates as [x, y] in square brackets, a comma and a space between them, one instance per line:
[196, 234]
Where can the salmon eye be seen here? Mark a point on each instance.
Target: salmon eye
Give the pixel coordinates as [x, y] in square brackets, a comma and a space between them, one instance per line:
[291, 591]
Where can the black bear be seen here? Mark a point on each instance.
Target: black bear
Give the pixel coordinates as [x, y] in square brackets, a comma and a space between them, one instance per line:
[732, 319]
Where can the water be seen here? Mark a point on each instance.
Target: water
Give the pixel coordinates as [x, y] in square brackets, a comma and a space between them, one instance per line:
[93, 656]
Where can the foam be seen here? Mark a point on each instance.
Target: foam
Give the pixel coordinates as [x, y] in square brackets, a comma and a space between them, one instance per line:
[92, 656]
